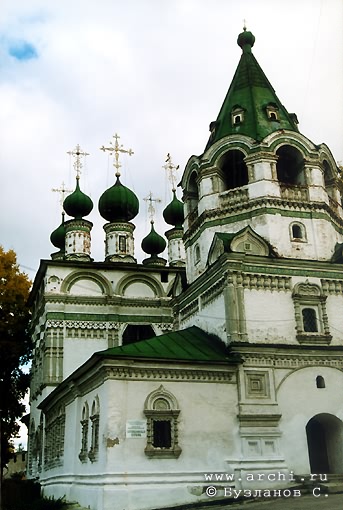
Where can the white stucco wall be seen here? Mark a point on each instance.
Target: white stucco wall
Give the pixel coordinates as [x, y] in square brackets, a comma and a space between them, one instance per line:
[270, 316]
[300, 400]
[208, 435]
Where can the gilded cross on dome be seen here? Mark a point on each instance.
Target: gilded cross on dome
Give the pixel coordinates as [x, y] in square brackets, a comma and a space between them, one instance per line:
[77, 153]
[116, 149]
[171, 170]
[151, 208]
[63, 190]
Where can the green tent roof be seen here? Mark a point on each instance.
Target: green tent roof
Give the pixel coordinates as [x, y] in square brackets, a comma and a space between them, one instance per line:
[251, 92]
[191, 344]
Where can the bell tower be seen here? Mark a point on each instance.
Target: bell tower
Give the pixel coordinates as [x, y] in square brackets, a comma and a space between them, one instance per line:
[258, 170]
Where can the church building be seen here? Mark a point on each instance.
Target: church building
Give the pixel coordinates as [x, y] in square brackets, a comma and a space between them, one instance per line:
[148, 378]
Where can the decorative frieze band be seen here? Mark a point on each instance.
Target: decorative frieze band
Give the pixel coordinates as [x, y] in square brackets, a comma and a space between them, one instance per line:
[332, 287]
[160, 374]
[213, 292]
[285, 361]
[189, 310]
[82, 324]
[255, 281]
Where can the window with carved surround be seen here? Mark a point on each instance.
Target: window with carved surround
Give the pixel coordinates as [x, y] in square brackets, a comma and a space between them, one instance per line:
[95, 418]
[312, 325]
[83, 455]
[54, 438]
[162, 411]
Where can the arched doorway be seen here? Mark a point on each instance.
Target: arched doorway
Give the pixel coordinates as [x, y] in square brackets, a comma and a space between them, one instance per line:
[325, 443]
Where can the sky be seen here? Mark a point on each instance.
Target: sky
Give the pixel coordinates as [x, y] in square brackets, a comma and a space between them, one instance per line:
[154, 71]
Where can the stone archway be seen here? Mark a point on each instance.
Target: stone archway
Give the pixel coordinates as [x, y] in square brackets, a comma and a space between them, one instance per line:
[325, 443]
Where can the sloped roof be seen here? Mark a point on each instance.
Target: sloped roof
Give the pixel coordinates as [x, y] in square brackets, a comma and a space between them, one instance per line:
[251, 91]
[191, 344]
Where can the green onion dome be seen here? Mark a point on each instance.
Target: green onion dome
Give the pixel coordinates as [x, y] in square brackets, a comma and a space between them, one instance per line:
[57, 237]
[246, 40]
[118, 203]
[77, 204]
[173, 214]
[153, 243]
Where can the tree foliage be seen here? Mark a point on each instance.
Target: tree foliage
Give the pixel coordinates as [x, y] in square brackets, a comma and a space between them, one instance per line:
[15, 346]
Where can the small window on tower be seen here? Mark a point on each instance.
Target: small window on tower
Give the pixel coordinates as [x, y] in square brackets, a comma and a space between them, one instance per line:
[272, 112]
[122, 243]
[237, 115]
[298, 232]
[197, 254]
[320, 382]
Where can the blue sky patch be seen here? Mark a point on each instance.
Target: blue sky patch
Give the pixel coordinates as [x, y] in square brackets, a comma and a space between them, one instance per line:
[22, 50]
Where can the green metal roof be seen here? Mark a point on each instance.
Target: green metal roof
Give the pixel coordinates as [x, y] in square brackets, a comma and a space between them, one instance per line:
[191, 344]
[250, 91]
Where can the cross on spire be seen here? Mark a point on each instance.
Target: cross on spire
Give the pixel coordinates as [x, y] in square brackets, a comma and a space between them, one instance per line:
[63, 190]
[77, 153]
[116, 149]
[171, 170]
[151, 208]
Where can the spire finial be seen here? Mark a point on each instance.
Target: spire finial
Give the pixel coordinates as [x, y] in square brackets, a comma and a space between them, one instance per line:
[77, 153]
[63, 190]
[171, 170]
[244, 24]
[151, 208]
[116, 149]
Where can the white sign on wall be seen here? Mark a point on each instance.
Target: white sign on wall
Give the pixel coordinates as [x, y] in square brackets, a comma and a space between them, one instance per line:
[136, 428]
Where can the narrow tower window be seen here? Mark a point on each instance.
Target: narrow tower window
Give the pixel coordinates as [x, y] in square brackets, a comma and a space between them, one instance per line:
[320, 382]
[122, 243]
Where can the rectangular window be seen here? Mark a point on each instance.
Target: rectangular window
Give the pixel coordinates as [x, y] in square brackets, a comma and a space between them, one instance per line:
[161, 434]
[309, 320]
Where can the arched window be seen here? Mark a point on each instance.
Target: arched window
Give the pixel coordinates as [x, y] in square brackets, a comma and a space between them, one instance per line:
[136, 332]
[234, 169]
[298, 232]
[161, 410]
[191, 198]
[196, 254]
[290, 166]
[84, 433]
[95, 417]
[320, 382]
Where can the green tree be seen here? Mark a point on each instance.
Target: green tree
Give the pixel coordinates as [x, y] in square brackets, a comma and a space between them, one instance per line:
[15, 348]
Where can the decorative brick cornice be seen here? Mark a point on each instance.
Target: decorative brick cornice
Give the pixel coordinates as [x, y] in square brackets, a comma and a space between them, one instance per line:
[168, 374]
[292, 361]
[189, 310]
[269, 205]
[213, 291]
